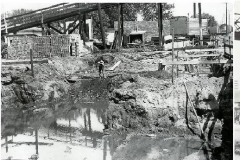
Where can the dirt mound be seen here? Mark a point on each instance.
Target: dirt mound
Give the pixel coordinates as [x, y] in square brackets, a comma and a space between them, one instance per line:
[20, 88]
[153, 102]
[156, 74]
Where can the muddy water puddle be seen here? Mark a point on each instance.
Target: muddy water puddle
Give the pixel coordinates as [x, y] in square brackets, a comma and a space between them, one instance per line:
[70, 130]
[78, 134]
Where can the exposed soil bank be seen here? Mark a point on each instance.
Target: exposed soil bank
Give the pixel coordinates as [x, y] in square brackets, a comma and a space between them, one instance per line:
[159, 104]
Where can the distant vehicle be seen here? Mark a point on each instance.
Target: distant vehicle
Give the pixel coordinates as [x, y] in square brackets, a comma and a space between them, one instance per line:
[183, 25]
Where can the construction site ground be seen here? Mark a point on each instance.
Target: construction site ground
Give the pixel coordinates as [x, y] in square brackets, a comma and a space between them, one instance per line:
[142, 99]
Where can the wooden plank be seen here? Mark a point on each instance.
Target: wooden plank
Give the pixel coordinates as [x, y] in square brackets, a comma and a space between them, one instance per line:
[202, 50]
[228, 45]
[11, 62]
[196, 62]
[154, 52]
[160, 26]
[227, 54]
[55, 29]
[31, 61]
[114, 66]
[77, 26]
[200, 55]
[198, 73]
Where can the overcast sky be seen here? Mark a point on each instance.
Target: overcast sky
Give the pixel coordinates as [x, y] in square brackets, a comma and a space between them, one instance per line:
[218, 10]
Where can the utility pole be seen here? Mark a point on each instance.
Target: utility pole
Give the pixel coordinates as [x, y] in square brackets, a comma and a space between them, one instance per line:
[6, 31]
[200, 22]
[226, 20]
[121, 12]
[42, 24]
[101, 24]
[172, 51]
[229, 22]
[194, 10]
[119, 25]
[160, 23]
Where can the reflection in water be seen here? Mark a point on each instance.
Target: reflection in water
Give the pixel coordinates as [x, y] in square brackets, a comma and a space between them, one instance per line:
[89, 119]
[36, 140]
[84, 127]
[79, 128]
[77, 125]
[104, 148]
[70, 130]
[6, 141]
[85, 121]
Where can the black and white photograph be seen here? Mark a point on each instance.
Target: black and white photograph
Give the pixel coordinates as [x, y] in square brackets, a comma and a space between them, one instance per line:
[236, 81]
[119, 81]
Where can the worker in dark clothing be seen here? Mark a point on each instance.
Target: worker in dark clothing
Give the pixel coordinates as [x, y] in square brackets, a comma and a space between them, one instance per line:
[101, 67]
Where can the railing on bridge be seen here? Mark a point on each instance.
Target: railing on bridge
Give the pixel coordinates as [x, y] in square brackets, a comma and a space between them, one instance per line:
[237, 26]
[40, 15]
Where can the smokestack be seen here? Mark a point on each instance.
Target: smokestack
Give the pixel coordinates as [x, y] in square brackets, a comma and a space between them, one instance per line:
[226, 21]
[200, 22]
[194, 10]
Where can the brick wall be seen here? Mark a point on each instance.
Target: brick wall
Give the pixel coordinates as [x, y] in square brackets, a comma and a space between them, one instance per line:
[151, 28]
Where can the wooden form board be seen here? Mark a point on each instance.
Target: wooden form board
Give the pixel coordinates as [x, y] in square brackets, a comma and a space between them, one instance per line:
[196, 62]
[228, 45]
[154, 52]
[198, 73]
[203, 50]
[200, 55]
[114, 66]
[12, 62]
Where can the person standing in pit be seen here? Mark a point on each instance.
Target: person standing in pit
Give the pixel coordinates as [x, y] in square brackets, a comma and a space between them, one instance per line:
[101, 67]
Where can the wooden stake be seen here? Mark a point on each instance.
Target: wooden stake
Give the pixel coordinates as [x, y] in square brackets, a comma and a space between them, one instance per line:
[119, 31]
[226, 20]
[101, 25]
[42, 25]
[193, 109]
[177, 65]
[122, 23]
[224, 46]
[31, 60]
[84, 24]
[229, 41]
[172, 50]
[80, 24]
[160, 23]
[200, 23]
